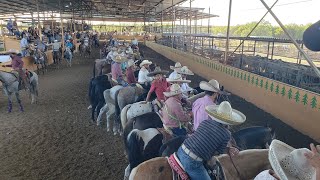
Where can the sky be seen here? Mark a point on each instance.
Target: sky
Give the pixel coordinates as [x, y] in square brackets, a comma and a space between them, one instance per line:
[244, 11]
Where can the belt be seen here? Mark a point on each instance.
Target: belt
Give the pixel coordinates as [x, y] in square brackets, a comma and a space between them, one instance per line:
[190, 153]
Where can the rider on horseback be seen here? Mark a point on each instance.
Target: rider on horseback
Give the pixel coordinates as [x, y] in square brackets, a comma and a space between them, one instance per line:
[56, 49]
[130, 72]
[212, 91]
[173, 115]
[17, 65]
[211, 136]
[116, 71]
[159, 84]
[185, 88]
[143, 77]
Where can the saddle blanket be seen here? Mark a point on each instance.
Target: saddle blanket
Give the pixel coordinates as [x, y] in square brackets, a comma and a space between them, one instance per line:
[177, 167]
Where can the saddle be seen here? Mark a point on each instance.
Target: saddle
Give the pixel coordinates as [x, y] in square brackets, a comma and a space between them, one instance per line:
[179, 173]
[166, 133]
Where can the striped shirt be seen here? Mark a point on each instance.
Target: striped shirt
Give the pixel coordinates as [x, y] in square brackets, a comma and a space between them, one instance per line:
[210, 137]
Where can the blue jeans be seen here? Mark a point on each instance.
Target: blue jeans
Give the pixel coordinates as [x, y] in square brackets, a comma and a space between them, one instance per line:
[194, 169]
[179, 131]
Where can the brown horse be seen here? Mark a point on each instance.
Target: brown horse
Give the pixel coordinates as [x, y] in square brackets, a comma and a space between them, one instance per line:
[248, 163]
[101, 66]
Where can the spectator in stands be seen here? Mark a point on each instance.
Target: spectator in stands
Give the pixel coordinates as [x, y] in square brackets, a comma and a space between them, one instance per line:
[24, 45]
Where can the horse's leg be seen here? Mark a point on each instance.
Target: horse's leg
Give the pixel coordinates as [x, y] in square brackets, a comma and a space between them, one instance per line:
[102, 111]
[127, 172]
[19, 101]
[9, 103]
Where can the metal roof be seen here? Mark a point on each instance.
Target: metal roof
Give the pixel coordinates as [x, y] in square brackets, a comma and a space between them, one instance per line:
[108, 10]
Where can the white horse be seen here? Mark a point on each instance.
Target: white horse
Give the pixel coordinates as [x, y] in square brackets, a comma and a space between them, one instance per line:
[109, 108]
[10, 85]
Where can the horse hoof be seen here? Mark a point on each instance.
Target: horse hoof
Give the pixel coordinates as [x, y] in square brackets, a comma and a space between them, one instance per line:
[108, 129]
[114, 133]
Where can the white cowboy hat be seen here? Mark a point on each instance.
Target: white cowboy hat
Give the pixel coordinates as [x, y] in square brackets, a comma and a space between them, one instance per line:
[130, 63]
[144, 62]
[290, 163]
[55, 40]
[224, 114]
[212, 85]
[12, 51]
[156, 71]
[177, 65]
[184, 70]
[175, 89]
[177, 79]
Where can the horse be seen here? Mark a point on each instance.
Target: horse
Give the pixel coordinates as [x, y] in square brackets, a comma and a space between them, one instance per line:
[248, 163]
[138, 142]
[96, 88]
[101, 66]
[10, 85]
[68, 56]
[254, 137]
[109, 108]
[85, 51]
[39, 58]
[127, 95]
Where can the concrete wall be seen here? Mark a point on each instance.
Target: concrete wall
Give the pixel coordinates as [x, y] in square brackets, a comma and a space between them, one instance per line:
[296, 107]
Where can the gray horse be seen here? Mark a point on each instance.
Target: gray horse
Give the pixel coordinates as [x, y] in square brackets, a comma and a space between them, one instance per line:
[10, 85]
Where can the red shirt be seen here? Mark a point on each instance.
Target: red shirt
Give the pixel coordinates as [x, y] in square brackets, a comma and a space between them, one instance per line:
[130, 75]
[159, 87]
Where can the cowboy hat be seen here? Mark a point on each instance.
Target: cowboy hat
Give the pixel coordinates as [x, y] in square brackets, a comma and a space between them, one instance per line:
[212, 85]
[177, 79]
[290, 163]
[175, 89]
[130, 63]
[119, 59]
[144, 62]
[12, 51]
[224, 114]
[177, 65]
[184, 70]
[156, 71]
[55, 40]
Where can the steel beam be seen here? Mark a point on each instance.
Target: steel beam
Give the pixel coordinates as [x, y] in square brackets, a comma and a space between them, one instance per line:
[228, 34]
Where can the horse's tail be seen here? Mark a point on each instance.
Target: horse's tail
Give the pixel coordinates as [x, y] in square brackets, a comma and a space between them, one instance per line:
[34, 84]
[91, 91]
[135, 148]
[123, 116]
[116, 104]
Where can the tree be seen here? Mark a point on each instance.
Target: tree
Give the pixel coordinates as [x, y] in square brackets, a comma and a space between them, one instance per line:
[252, 80]
[277, 89]
[290, 93]
[297, 96]
[283, 91]
[266, 86]
[314, 102]
[271, 87]
[261, 83]
[257, 81]
[305, 99]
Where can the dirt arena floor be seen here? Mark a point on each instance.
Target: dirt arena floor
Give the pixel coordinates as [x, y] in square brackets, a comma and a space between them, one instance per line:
[55, 139]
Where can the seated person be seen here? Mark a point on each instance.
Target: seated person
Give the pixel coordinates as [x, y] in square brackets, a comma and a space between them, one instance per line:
[173, 115]
[159, 84]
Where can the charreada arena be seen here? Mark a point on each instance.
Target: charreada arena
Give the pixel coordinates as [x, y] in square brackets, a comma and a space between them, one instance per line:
[159, 89]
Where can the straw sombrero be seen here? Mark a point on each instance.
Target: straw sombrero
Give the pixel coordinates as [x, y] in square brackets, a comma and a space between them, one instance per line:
[177, 79]
[156, 71]
[290, 163]
[224, 114]
[175, 89]
[119, 59]
[212, 85]
[177, 65]
[144, 62]
[184, 70]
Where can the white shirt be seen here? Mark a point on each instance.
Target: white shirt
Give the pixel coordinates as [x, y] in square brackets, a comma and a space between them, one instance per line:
[23, 43]
[173, 75]
[142, 77]
[185, 88]
[56, 46]
[86, 42]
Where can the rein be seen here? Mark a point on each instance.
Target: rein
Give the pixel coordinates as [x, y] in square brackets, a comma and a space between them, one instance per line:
[235, 167]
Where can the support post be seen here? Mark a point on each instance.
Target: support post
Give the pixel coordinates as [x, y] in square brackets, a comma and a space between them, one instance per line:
[209, 22]
[241, 59]
[272, 50]
[228, 34]
[312, 65]
[161, 17]
[39, 26]
[268, 50]
[254, 48]
[172, 24]
[190, 14]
